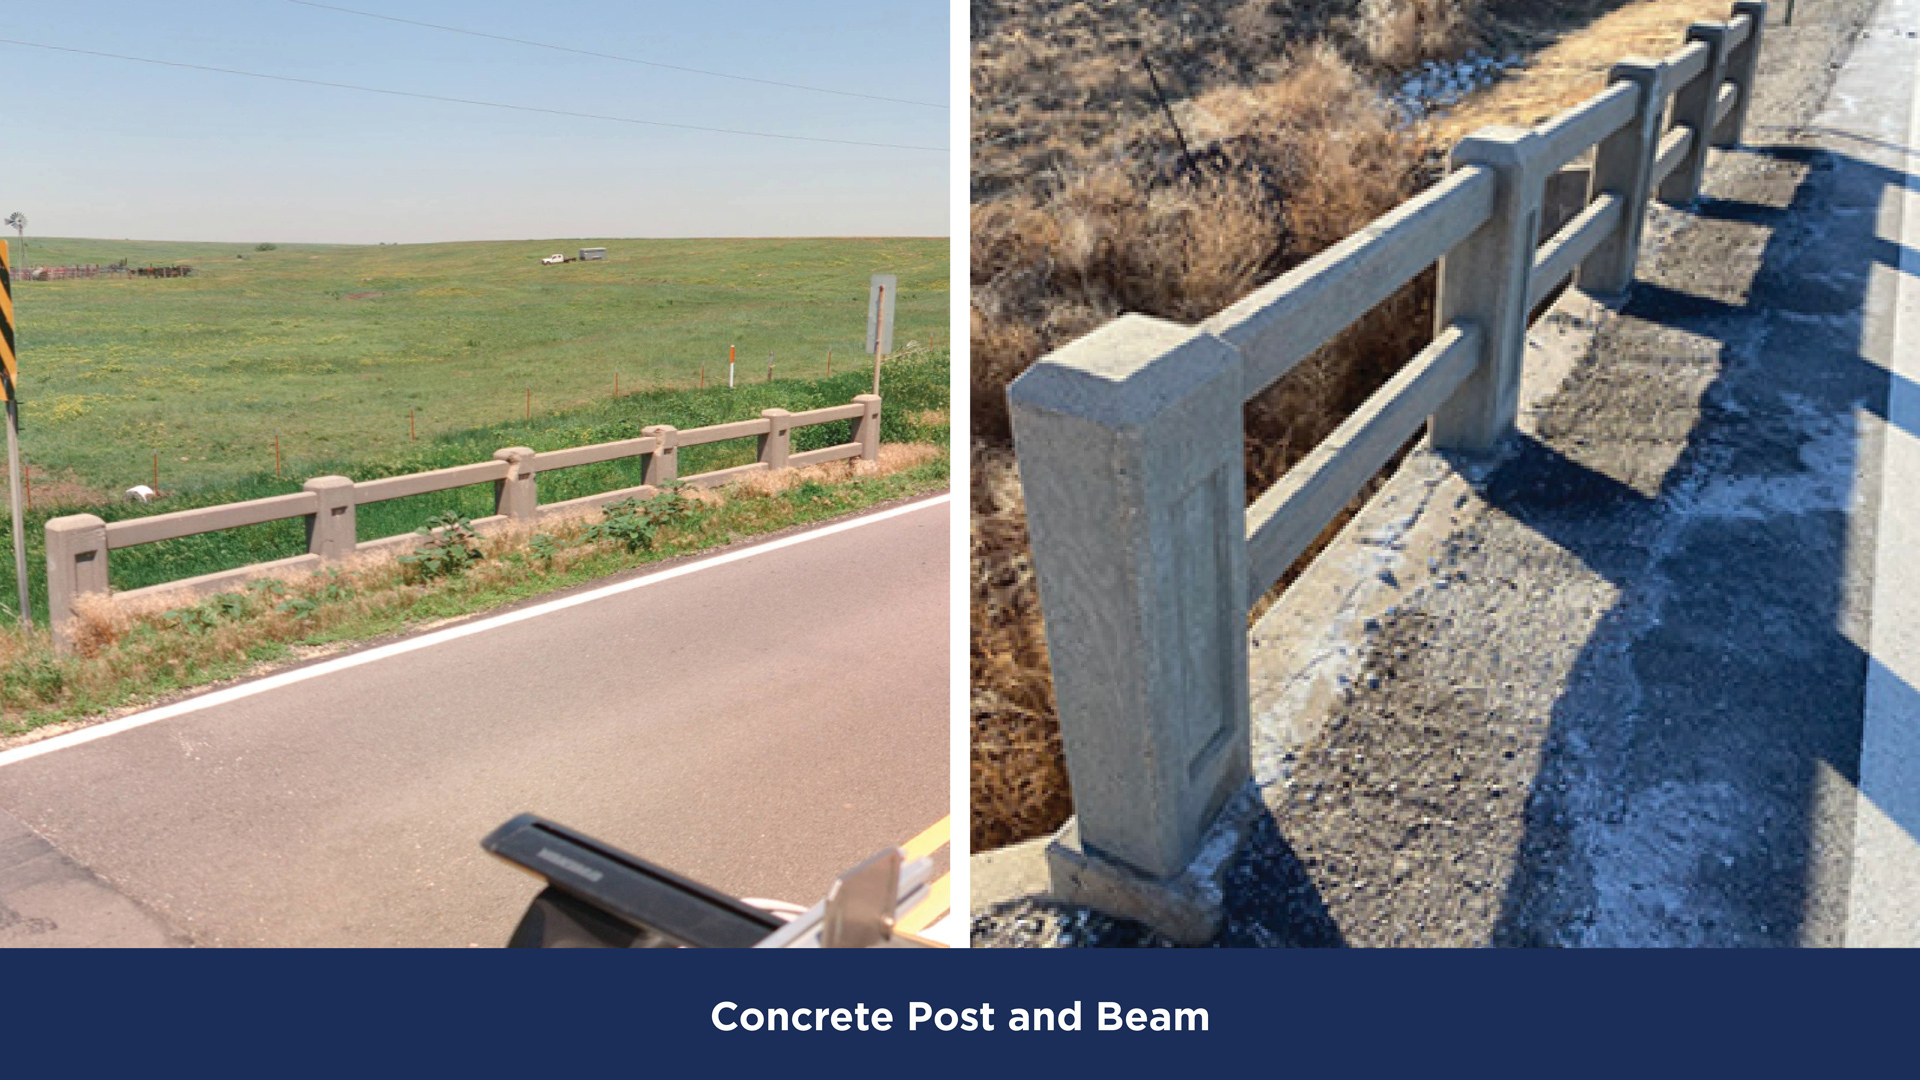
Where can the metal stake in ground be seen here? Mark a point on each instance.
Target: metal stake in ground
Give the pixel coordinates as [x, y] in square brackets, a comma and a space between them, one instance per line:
[729, 367]
[879, 335]
[9, 379]
[1159, 95]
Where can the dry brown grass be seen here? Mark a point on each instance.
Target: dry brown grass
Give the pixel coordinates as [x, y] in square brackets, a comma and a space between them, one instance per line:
[1399, 34]
[1084, 210]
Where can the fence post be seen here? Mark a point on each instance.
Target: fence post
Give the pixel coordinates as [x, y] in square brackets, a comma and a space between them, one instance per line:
[1693, 106]
[517, 496]
[76, 564]
[1623, 167]
[331, 531]
[866, 427]
[1483, 280]
[663, 465]
[1743, 64]
[777, 443]
[1129, 442]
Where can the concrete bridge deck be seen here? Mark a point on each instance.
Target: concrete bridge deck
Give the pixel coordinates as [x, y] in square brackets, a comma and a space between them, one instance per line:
[1650, 677]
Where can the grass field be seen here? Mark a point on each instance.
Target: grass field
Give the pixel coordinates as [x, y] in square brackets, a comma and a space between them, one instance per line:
[330, 346]
[915, 390]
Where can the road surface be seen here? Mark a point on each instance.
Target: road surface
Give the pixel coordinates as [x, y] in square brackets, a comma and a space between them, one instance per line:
[760, 723]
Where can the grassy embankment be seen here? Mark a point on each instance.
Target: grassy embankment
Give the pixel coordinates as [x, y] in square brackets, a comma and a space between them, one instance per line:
[128, 658]
[1084, 209]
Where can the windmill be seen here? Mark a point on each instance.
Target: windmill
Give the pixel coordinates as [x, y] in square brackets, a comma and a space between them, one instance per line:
[19, 222]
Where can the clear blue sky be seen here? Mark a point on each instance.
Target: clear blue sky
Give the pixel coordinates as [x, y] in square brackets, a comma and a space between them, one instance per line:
[110, 148]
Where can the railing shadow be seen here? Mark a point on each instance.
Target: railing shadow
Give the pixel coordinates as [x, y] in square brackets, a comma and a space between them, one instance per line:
[1707, 812]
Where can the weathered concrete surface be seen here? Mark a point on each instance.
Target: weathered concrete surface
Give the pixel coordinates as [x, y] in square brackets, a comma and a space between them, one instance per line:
[1608, 689]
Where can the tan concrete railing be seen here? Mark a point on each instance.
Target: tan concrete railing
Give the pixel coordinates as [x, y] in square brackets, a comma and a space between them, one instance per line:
[78, 545]
[1130, 451]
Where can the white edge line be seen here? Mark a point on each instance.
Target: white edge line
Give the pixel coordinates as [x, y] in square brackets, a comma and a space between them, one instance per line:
[452, 633]
[1882, 909]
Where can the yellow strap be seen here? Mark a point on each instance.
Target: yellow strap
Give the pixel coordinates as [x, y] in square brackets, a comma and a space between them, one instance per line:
[928, 842]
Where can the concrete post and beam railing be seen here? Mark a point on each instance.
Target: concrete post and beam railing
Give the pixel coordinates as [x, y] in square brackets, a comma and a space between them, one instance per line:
[1130, 448]
[78, 545]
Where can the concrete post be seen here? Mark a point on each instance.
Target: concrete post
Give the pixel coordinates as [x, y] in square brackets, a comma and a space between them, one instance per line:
[1693, 106]
[663, 465]
[76, 564]
[1623, 167]
[332, 532]
[866, 428]
[518, 497]
[1129, 443]
[1483, 280]
[1743, 65]
[777, 443]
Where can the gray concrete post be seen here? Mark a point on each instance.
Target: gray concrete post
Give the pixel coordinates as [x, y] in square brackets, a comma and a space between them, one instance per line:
[518, 496]
[76, 564]
[663, 465]
[332, 532]
[1743, 65]
[866, 427]
[1483, 281]
[1129, 442]
[1623, 167]
[1693, 106]
[777, 443]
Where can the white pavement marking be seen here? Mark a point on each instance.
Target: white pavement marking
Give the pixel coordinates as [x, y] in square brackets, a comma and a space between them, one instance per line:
[1883, 906]
[452, 633]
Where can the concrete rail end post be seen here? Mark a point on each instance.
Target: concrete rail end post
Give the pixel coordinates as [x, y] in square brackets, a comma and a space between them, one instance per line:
[332, 531]
[1130, 453]
[76, 564]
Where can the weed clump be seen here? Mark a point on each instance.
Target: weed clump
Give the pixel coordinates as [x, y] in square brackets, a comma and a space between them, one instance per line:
[634, 524]
[447, 546]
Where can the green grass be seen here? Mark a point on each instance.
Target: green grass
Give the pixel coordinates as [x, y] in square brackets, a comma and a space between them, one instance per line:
[205, 370]
[914, 390]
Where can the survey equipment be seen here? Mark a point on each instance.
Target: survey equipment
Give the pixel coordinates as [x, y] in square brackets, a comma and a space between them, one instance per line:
[598, 896]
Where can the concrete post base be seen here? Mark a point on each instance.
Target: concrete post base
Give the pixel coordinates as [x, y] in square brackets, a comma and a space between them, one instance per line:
[1188, 908]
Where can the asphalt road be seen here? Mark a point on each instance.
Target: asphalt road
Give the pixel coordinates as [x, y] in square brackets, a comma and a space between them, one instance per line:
[760, 725]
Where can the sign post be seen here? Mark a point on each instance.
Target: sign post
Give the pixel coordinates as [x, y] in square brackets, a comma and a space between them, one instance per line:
[9, 380]
[881, 291]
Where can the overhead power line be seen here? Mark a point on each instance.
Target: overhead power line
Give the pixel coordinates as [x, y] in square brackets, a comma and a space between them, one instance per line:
[472, 101]
[622, 59]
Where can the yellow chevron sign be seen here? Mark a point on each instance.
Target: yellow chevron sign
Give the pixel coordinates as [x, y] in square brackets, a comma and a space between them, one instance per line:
[9, 367]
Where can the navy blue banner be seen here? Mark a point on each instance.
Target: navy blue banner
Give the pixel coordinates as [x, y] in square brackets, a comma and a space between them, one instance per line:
[1542, 1014]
